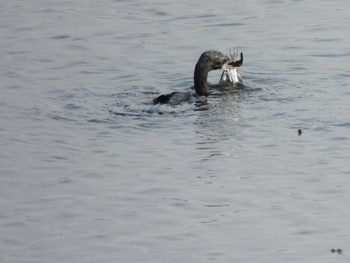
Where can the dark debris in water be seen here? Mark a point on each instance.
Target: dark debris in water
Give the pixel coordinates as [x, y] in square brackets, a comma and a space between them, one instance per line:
[300, 132]
[338, 251]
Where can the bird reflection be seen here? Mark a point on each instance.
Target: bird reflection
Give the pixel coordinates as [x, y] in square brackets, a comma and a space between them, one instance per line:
[218, 126]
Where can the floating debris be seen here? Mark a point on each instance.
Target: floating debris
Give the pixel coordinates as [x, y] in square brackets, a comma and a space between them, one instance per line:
[339, 251]
[300, 132]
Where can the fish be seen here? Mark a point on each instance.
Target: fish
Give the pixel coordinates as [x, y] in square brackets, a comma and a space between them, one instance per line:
[230, 70]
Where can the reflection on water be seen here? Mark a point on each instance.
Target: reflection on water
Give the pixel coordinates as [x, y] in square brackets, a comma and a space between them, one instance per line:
[217, 126]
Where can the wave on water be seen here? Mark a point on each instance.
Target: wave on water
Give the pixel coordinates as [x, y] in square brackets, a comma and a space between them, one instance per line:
[150, 109]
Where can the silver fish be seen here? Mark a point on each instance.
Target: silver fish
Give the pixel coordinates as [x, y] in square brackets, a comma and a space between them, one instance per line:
[230, 73]
[231, 76]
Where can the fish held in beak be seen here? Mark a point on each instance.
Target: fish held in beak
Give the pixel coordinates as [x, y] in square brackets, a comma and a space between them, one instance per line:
[230, 73]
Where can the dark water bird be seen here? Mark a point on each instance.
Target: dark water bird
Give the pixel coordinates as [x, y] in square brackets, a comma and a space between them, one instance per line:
[300, 132]
[208, 61]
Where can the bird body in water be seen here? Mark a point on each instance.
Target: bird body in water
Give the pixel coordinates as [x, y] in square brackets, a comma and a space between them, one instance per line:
[208, 61]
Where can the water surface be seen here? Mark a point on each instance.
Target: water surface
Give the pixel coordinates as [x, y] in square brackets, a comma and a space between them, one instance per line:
[91, 171]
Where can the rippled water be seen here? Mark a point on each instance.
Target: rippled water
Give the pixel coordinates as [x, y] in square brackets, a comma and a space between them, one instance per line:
[91, 171]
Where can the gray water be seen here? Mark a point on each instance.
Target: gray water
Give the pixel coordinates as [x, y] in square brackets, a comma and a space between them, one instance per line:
[91, 171]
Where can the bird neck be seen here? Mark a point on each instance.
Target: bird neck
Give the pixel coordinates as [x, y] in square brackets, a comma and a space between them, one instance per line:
[201, 79]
